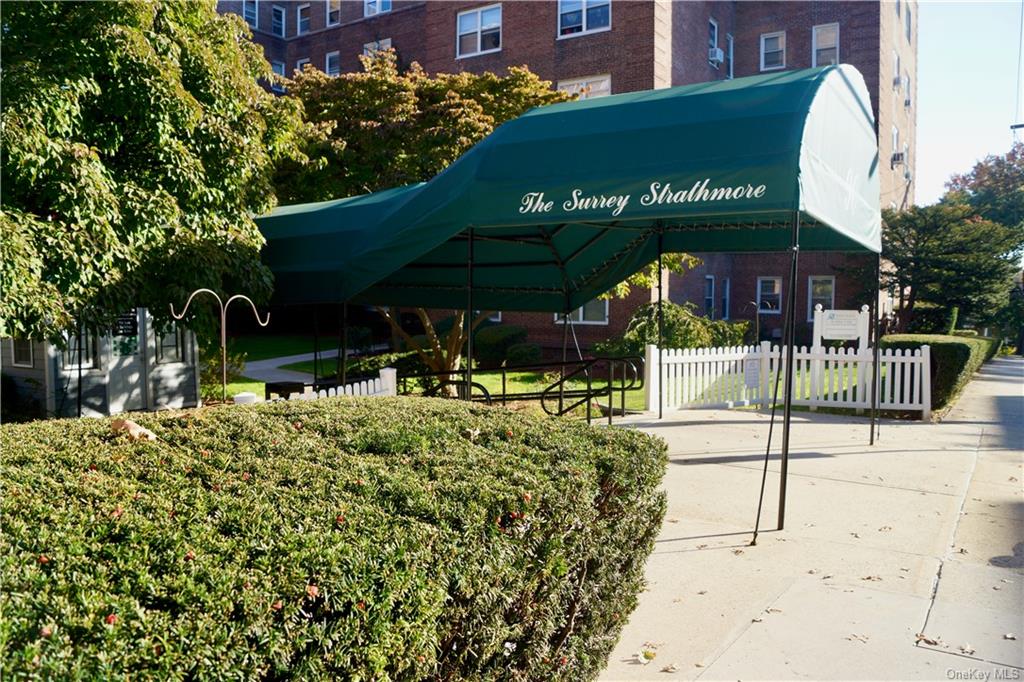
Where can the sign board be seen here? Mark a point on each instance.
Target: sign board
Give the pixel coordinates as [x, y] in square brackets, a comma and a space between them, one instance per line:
[752, 373]
[126, 324]
[840, 325]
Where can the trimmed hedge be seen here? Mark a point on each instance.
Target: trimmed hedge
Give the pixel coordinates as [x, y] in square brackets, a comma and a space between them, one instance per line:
[954, 359]
[492, 344]
[523, 354]
[357, 539]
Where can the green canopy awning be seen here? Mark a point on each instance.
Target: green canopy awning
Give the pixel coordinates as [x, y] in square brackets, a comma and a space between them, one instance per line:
[569, 199]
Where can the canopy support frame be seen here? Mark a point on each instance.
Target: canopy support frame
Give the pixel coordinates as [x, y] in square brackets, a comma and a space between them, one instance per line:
[468, 324]
[876, 342]
[661, 321]
[790, 334]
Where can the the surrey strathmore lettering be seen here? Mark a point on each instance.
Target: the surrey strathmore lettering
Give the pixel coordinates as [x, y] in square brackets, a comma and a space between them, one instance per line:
[657, 194]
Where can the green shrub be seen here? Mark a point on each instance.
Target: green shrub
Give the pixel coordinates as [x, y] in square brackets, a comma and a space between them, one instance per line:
[383, 538]
[929, 318]
[954, 359]
[682, 328]
[726, 333]
[965, 332]
[491, 344]
[523, 354]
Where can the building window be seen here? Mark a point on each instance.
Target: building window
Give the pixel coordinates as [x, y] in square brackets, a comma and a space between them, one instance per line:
[21, 353]
[726, 293]
[332, 63]
[896, 80]
[910, 32]
[376, 46]
[170, 346]
[85, 344]
[821, 290]
[769, 295]
[302, 19]
[773, 51]
[277, 21]
[300, 63]
[825, 45]
[588, 87]
[333, 12]
[728, 55]
[897, 7]
[709, 296]
[576, 17]
[278, 68]
[479, 31]
[594, 312]
[895, 139]
[251, 12]
[372, 7]
[712, 41]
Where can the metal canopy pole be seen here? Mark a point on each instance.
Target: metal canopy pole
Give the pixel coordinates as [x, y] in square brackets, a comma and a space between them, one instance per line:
[469, 318]
[661, 324]
[316, 346]
[565, 347]
[790, 367]
[81, 342]
[876, 342]
[343, 351]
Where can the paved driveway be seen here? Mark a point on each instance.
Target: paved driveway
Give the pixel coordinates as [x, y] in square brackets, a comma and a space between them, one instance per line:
[904, 560]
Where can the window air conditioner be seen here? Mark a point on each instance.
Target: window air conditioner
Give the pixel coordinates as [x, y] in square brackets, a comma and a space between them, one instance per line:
[715, 55]
[906, 102]
[897, 159]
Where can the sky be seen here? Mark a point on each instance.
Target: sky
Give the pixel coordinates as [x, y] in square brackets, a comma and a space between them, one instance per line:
[967, 87]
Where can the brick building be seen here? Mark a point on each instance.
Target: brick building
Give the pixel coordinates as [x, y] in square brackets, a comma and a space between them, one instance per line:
[602, 47]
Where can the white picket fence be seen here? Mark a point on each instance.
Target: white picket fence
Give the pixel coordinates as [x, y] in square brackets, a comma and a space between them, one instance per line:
[824, 377]
[384, 385]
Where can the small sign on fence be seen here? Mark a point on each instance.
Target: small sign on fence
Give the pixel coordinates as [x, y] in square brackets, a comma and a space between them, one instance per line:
[752, 373]
[842, 325]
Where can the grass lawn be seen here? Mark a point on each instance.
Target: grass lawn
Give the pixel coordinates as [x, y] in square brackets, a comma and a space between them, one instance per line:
[327, 366]
[265, 347]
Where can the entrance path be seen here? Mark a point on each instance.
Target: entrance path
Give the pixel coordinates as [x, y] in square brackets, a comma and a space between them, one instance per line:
[268, 370]
[904, 560]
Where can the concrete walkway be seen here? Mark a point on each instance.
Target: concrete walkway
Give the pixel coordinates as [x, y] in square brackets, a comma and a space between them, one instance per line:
[268, 370]
[904, 560]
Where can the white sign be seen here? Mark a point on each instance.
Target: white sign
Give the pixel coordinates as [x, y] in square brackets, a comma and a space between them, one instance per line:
[752, 373]
[840, 325]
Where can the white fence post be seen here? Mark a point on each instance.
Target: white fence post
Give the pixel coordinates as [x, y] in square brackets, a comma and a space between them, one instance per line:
[766, 359]
[652, 377]
[926, 382]
[389, 381]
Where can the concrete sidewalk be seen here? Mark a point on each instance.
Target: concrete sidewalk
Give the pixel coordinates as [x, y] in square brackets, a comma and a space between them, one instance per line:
[904, 560]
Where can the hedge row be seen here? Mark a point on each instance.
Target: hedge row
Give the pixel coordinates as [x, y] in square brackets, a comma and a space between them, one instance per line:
[350, 539]
[954, 359]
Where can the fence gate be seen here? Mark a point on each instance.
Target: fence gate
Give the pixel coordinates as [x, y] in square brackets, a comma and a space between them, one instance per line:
[824, 377]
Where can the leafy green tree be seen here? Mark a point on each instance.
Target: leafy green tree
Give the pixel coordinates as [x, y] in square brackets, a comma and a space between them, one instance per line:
[947, 255]
[994, 188]
[137, 146]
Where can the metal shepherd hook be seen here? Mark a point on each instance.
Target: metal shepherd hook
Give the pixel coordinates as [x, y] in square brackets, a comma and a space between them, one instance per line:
[223, 330]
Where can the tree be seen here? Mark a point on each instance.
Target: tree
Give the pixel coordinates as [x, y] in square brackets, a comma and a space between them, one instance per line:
[947, 255]
[138, 145]
[388, 127]
[994, 188]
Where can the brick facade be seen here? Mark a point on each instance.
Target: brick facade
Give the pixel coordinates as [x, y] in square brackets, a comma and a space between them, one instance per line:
[649, 44]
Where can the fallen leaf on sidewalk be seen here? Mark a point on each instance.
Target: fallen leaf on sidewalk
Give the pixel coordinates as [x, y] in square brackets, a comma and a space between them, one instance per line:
[673, 520]
[670, 668]
[698, 665]
[1009, 635]
[873, 578]
[856, 535]
[826, 577]
[645, 656]
[885, 529]
[962, 551]
[927, 640]
[703, 592]
[1004, 580]
[756, 619]
[967, 649]
[812, 571]
[996, 587]
[773, 610]
[859, 638]
[702, 546]
[1013, 478]
[737, 551]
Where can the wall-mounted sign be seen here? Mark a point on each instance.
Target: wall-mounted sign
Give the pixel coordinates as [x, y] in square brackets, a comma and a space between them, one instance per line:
[752, 373]
[840, 325]
[126, 324]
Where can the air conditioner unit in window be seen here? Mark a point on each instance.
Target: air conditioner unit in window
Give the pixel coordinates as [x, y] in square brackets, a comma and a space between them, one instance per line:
[897, 159]
[715, 55]
[906, 102]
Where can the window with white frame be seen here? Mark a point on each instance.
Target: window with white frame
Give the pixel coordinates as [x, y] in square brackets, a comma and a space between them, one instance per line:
[895, 139]
[773, 51]
[277, 21]
[769, 295]
[332, 63]
[906, 85]
[726, 294]
[302, 19]
[494, 316]
[84, 347]
[709, 296]
[170, 346]
[479, 31]
[588, 87]
[910, 32]
[897, 7]
[825, 45]
[576, 17]
[333, 12]
[821, 290]
[300, 63]
[372, 7]
[712, 37]
[278, 68]
[21, 353]
[728, 55]
[594, 312]
[251, 12]
[376, 46]
[896, 80]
